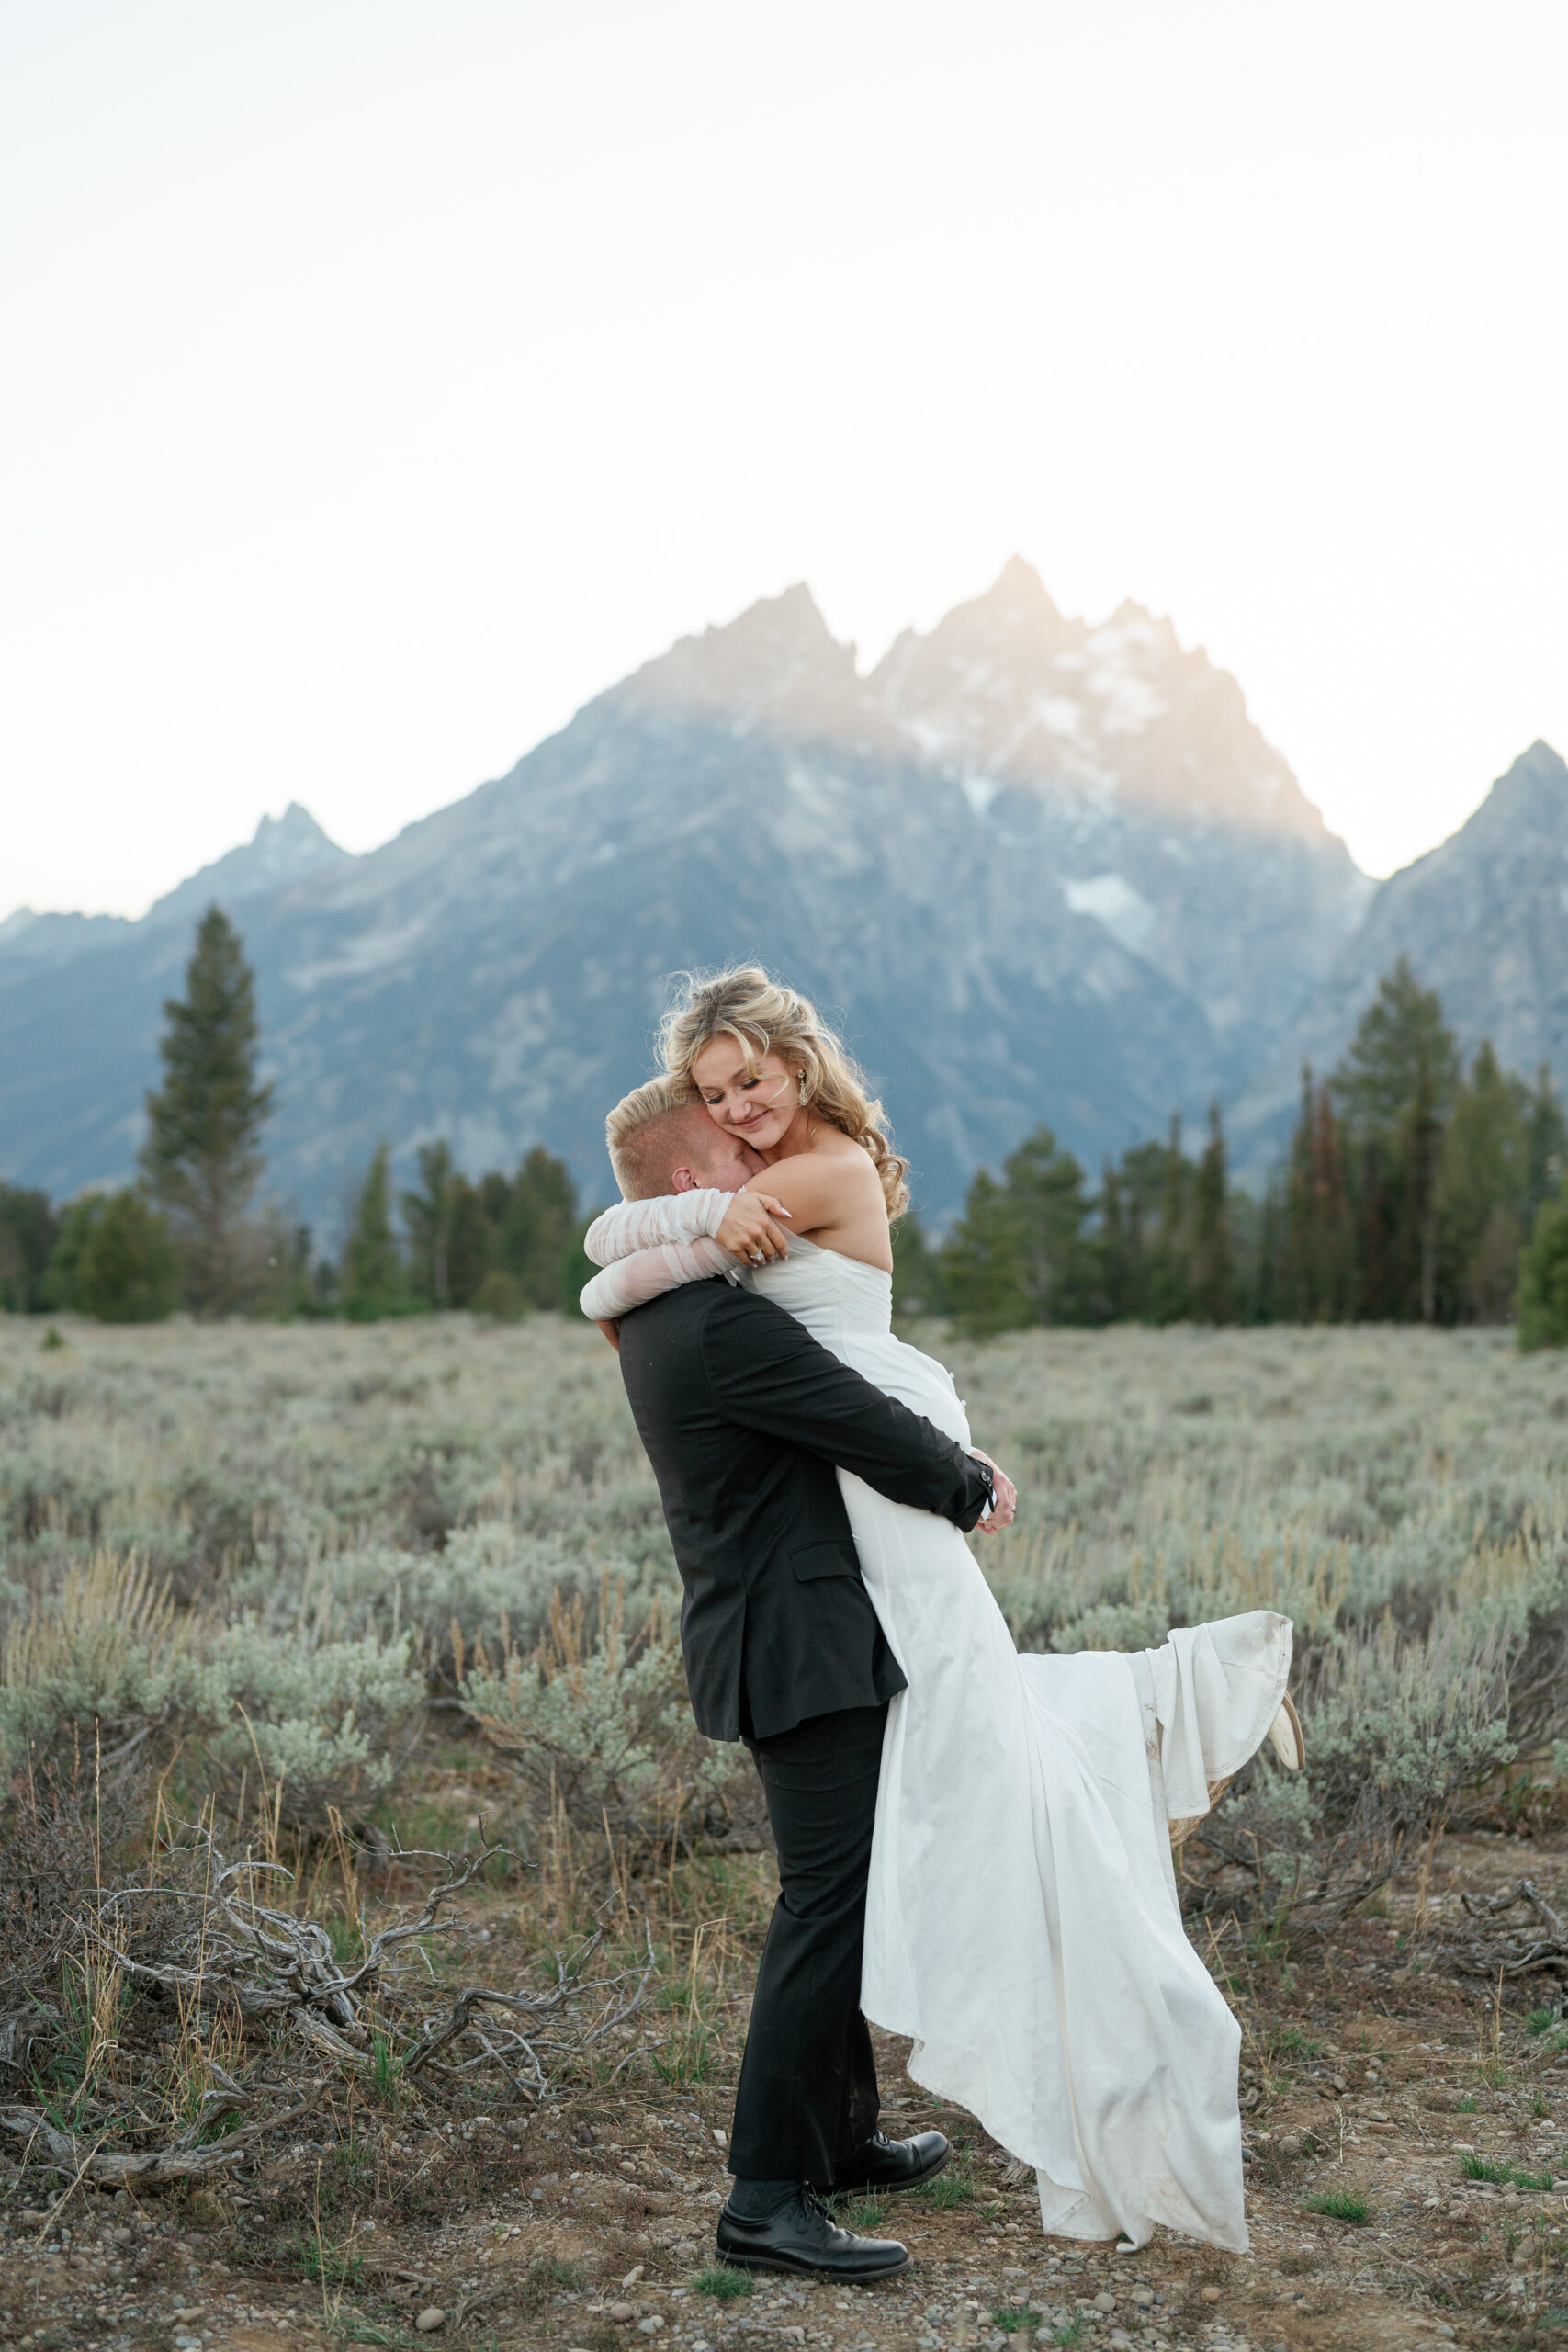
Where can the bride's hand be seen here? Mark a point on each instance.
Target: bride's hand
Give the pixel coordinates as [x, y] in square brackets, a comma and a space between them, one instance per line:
[1005, 1509]
[748, 1230]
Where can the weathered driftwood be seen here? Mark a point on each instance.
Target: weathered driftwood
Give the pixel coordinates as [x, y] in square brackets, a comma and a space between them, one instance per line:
[23, 2031]
[215, 1945]
[270, 1963]
[184, 2159]
[540, 2008]
[1514, 1952]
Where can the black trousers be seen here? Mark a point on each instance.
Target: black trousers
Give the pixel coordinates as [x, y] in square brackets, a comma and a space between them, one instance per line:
[808, 2096]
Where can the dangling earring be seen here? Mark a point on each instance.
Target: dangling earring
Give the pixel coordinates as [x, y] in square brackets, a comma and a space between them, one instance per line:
[804, 1092]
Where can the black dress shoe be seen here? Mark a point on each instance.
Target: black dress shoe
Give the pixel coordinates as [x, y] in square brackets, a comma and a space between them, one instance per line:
[805, 2237]
[886, 2164]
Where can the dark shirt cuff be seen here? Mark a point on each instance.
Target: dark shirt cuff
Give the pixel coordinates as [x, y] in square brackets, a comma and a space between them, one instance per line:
[983, 1490]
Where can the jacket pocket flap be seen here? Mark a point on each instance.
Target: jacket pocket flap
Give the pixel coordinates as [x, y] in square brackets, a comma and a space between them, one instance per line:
[837, 1557]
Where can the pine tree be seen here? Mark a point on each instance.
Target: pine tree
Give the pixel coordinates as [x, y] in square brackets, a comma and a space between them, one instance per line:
[1170, 1287]
[1118, 1270]
[469, 1242]
[982, 1269]
[129, 1271]
[1400, 1035]
[918, 1286]
[201, 1160]
[1268, 1304]
[62, 1276]
[1333, 1226]
[1543, 1276]
[1318, 1272]
[1213, 1266]
[1481, 1195]
[1417, 1146]
[538, 1235]
[1297, 1286]
[1044, 1188]
[1018, 1255]
[1547, 1130]
[374, 1283]
[29, 1231]
[1395, 1089]
[427, 1220]
[1140, 1189]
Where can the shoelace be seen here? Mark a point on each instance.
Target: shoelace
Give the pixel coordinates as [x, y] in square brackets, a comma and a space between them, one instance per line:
[814, 2204]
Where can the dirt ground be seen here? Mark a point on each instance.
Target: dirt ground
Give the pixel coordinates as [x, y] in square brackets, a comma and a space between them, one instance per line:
[1370, 2074]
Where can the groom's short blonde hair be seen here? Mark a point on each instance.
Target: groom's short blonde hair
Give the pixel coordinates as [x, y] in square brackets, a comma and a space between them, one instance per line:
[645, 1133]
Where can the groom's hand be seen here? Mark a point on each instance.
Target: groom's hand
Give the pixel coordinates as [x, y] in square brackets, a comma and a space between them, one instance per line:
[748, 1231]
[1006, 1506]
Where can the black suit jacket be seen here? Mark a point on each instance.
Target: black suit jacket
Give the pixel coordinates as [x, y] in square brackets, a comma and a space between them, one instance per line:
[745, 1416]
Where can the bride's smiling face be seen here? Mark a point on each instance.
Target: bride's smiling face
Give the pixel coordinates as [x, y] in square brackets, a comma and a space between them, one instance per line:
[759, 1105]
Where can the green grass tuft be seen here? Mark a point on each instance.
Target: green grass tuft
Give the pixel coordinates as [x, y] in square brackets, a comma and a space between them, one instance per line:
[867, 2216]
[551, 2271]
[386, 2084]
[1504, 2176]
[332, 2265]
[724, 2284]
[1009, 2318]
[689, 2056]
[954, 2186]
[1339, 2206]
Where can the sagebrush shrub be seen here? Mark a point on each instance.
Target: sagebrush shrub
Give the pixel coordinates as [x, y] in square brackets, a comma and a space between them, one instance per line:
[599, 1723]
[113, 1660]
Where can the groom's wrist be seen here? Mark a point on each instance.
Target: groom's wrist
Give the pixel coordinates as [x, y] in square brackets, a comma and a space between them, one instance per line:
[982, 1470]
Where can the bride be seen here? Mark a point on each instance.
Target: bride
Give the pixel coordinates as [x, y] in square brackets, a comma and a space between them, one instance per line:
[1022, 1925]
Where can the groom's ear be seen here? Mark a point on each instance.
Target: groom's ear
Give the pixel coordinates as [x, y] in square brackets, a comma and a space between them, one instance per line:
[682, 1181]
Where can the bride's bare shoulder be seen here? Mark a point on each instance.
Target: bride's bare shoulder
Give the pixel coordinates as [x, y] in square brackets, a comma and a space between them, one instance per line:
[832, 1180]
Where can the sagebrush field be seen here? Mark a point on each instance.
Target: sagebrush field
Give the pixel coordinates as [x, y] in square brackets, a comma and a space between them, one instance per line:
[320, 1596]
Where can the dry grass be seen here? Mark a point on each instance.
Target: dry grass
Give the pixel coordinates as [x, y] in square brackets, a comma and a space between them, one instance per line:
[464, 1486]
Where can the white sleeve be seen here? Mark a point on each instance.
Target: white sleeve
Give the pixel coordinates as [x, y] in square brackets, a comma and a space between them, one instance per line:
[641, 1225]
[648, 1273]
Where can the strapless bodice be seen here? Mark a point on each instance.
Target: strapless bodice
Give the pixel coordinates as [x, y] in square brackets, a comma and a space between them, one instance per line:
[837, 1298]
[848, 1305]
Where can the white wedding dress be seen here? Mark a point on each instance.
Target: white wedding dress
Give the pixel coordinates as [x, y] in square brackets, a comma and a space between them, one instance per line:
[1022, 1925]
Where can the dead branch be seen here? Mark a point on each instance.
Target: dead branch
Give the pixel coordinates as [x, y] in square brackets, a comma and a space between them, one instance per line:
[1510, 1952]
[201, 1930]
[150, 2167]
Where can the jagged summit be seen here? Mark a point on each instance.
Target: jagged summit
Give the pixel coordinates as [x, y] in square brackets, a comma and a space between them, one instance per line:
[1041, 870]
[1482, 919]
[778, 660]
[282, 849]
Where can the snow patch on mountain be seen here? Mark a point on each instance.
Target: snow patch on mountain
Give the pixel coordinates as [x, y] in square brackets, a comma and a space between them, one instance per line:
[1111, 900]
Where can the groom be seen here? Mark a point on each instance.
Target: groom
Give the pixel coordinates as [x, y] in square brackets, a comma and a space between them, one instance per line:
[744, 1416]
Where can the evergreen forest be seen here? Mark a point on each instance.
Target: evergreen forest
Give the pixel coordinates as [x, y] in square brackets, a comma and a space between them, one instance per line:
[1417, 1188]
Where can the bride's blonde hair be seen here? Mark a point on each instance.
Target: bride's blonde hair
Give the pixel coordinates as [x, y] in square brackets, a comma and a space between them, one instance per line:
[761, 1015]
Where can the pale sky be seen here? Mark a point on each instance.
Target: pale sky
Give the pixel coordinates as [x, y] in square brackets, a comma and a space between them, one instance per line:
[379, 381]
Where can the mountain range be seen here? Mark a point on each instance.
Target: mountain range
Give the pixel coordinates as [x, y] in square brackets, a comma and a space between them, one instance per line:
[1037, 869]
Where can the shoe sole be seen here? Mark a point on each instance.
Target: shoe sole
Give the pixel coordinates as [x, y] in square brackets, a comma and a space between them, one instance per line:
[894, 2188]
[811, 2270]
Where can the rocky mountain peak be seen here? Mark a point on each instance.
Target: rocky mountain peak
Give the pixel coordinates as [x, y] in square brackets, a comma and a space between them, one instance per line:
[778, 664]
[1044, 870]
[1531, 797]
[1008, 691]
[1482, 919]
[281, 851]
